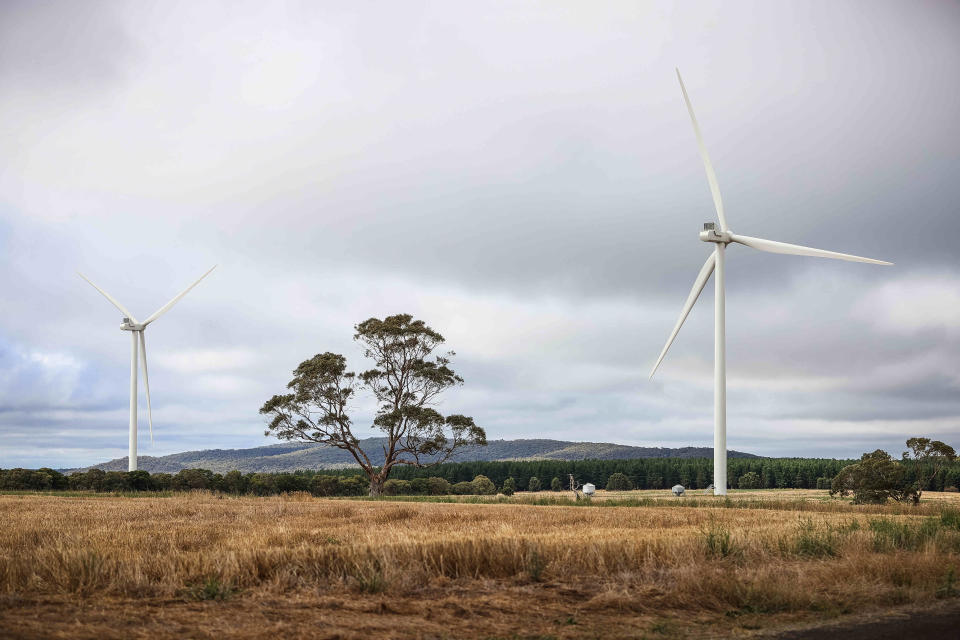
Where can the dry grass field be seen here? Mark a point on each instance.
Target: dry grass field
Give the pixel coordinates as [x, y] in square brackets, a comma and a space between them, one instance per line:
[205, 566]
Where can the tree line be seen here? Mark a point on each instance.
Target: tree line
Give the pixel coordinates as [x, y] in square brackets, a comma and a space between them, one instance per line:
[453, 478]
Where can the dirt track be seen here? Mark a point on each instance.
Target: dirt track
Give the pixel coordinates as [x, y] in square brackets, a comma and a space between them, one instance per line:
[940, 622]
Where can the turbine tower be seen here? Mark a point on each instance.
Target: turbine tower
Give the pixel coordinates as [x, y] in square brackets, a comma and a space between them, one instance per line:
[715, 263]
[138, 344]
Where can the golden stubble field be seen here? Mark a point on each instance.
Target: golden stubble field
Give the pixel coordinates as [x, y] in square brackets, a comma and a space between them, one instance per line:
[205, 566]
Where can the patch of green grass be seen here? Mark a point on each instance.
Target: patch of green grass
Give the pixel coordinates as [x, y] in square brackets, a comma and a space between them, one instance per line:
[717, 540]
[950, 518]
[211, 589]
[889, 535]
[947, 588]
[535, 565]
[813, 541]
[370, 578]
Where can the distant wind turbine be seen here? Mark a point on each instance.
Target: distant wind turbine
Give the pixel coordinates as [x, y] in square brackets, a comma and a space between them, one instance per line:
[715, 262]
[138, 343]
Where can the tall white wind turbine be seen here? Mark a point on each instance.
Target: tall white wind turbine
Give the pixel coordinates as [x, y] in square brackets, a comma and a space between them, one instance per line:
[715, 262]
[138, 344]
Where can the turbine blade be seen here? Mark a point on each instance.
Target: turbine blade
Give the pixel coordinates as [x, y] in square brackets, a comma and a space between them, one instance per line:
[711, 176]
[698, 286]
[146, 380]
[162, 310]
[798, 250]
[112, 300]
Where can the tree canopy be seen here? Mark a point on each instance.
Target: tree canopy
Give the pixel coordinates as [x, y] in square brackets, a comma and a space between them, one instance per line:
[406, 380]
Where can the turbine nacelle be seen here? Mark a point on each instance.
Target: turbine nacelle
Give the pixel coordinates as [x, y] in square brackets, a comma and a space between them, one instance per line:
[129, 325]
[710, 234]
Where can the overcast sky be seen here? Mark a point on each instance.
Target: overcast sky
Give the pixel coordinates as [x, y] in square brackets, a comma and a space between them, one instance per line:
[521, 176]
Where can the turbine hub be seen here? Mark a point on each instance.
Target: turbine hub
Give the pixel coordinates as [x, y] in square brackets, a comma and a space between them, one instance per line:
[128, 325]
[710, 233]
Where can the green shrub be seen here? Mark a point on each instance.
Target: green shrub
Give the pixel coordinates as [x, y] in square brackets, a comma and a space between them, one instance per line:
[891, 534]
[815, 541]
[950, 519]
[619, 482]
[354, 486]
[717, 540]
[533, 484]
[394, 487]
[509, 487]
[419, 486]
[463, 488]
[211, 589]
[324, 485]
[482, 485]
[438, 486]
[262, 484]
[555, 485]
[187, 479]
[164, 482]
[234, 482]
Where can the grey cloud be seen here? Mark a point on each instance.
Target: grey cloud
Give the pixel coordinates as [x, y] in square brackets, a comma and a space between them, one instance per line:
[525, 179]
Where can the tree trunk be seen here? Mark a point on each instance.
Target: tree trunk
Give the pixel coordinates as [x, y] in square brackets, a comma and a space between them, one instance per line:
[376, 487]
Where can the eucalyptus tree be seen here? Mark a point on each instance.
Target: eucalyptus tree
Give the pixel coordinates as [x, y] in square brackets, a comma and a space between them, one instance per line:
[406, 380]
[930, 457]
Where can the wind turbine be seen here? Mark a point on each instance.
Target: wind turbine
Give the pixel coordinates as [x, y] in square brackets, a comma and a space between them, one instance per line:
[715, 262]
[138, 344]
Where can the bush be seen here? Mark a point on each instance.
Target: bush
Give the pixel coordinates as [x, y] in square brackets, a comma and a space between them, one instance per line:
[262, 484]
[187, 479]
[234, 482]
[749, 480]
[354, 486]
[397, 488]
[161, 482]
[717, 540]
[27, 479]
[290, 482]
[463, 488]
[116, 481]
[890, 534]
[874, 480]
[950, 518]
[482, 485]
[951, 489]
[438, 486]
[419, 486]
[555, 485]
[619, 482]
[324, 485]
[509, 487]
[815, 542]
[533, 484]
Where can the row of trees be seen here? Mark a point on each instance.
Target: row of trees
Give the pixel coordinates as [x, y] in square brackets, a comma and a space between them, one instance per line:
[651, 473]
[461, 478]
[234, 482]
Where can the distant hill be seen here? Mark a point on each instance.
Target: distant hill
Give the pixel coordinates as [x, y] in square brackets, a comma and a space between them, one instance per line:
[290, 456]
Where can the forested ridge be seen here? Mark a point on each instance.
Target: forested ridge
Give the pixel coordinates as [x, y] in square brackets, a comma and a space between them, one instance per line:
[293, 456]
